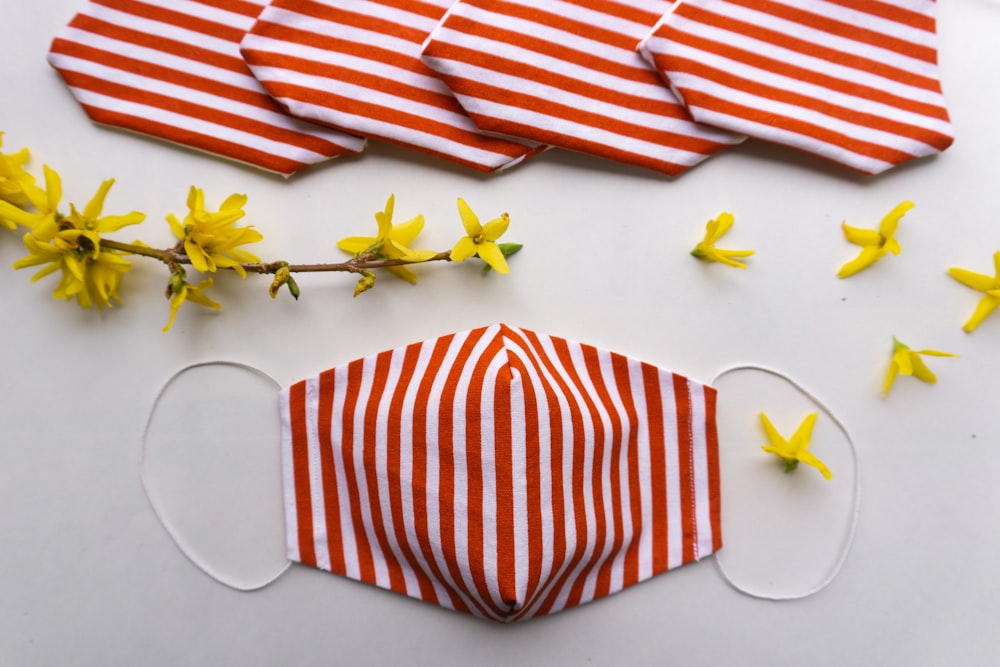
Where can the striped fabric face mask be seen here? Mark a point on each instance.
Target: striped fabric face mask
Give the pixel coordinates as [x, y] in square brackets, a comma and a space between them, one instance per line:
[500, 472]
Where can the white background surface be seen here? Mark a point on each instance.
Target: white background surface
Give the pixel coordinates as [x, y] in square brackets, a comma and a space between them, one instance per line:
[88, 575]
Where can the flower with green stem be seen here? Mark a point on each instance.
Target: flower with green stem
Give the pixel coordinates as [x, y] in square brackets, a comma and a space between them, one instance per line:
[481, 239]
[391, 242]
[179, 290]
[211, 240]
[874, 243]
[796, 449]
[908, 362]
[714, 230]
[988, 285]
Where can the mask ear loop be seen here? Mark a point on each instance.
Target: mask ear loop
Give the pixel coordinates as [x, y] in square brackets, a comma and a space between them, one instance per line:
[848, 540]
[157, 510]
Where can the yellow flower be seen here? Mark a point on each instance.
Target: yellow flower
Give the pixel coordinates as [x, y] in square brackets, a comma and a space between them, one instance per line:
[714, 230]
[795, 450]
[988, 285]
[17, 186]
[44, 219]
[392, 242]
[874, 244]
[481, 239]
[89, 274]
[210, 239]
[908, 362]
[179, 291]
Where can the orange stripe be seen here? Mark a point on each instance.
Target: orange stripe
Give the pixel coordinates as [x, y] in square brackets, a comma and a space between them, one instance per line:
[783, 68]
[394, 472]
[193, 139]
[248, 9]
[503, 453]
[331, 14]
[685, 443]
[171, 17]
[190, 110]
[427, 9]
[851, 31]
[536, 517]
[914, 19]
[446, 493]
[351, 460]
[658, 468]
[636, 491]
[300, 466]
[371, 471]
[231, 62]
[801, 127]
[331, 498]
[786, 41]
[596, 465]
[539, 17]
[420, 462]
[712, 449]
[605, 564]
[883, 123]
[625, 11]
[557, 511]
[575, 549]
[614, 95]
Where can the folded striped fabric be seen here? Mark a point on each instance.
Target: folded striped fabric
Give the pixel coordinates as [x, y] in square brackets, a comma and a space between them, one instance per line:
[854, 81]
[566, 73]
[172, 69]
[500, 472]
[355, 65]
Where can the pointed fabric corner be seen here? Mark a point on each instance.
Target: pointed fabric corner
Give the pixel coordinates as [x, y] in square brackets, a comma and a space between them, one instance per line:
[852, 81]
[173, 70]
[356, 66]
[500, 472]
[568, 74]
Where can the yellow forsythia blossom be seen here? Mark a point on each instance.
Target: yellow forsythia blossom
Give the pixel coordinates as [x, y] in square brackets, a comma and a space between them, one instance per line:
[392, 242]
[874, 243]
[988, 285]
[715, 230]
[795, 450]
[17, 186]
[179, 291]
[211, 240]
[908, 362]
[481, 239]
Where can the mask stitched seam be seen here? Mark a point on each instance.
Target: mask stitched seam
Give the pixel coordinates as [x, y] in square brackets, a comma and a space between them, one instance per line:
[691, 458]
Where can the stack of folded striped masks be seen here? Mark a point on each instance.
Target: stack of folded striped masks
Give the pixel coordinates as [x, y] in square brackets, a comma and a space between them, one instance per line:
[283, 84]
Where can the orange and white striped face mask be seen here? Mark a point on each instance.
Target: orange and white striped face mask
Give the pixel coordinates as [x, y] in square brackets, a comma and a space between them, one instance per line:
[500, 472]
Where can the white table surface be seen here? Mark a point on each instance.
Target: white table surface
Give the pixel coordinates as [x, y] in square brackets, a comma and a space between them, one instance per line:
[89, 576]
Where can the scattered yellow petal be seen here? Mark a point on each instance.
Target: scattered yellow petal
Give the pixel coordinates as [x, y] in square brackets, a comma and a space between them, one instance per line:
[714, 230]
[988, 285]
[874, 243]
[908, 362]
[796, 449]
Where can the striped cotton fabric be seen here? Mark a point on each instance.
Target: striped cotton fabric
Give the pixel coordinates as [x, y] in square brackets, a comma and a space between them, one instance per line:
[500, 472]
[854, 81]
[566, 73]
[355, 65]
[172, 69]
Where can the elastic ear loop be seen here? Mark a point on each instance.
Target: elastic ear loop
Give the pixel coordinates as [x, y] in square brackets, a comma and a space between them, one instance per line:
[848, 540]
[160, 516]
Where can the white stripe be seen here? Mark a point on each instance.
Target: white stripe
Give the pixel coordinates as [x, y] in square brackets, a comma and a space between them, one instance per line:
[205, 70]
[488, 466]
[407, 470]
[358, 463]
[204, 12]
[520, 477]
[702, 500]
[288, 478]
[596, 18]
[324, 27]
[851, 103]
[316, 475]
[382, 465]
[587, 443]
[352, 558]
[671, 449]
[645, 470]
[624, 498]
[162, 30]
[869, 20]
[607, 501]
[208, 129]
